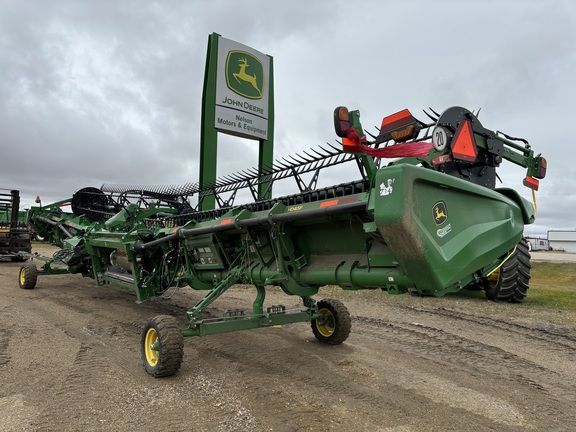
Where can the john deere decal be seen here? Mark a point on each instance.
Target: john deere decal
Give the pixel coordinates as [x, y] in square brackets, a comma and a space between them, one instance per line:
[244, 74]
[439, 213]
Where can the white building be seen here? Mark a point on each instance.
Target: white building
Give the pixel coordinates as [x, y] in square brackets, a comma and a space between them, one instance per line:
[562, 240]
[538, 244]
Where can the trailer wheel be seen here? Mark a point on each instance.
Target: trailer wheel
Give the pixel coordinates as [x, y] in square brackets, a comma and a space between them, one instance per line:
[162, 346]
[511, 281]
[28, 276]
[335, 325]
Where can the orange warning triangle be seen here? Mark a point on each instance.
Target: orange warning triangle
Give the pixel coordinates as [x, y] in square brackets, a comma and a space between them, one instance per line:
[463, 143]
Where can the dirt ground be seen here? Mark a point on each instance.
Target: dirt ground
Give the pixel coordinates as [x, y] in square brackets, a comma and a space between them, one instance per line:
[70, 361]
[553, 256]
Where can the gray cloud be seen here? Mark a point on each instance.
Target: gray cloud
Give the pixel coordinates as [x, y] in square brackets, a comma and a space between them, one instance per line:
[110, 92]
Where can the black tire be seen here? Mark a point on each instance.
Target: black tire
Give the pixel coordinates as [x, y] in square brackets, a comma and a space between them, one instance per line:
[162, 346]
[335, 325]
[512, 280]
[28, 276]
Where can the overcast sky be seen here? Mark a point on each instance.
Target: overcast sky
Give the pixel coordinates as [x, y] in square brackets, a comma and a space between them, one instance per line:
[110, 91]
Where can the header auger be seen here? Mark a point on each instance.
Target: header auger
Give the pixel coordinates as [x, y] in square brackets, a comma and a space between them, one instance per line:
[431, 222]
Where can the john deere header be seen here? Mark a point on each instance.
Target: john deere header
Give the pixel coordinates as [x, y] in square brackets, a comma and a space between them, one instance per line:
[430, 222]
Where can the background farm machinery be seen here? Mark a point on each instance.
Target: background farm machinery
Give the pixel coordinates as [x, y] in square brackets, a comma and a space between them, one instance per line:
[15, 236]
[431, 222]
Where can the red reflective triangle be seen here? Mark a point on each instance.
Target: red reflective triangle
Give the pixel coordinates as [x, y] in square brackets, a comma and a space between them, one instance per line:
[463, 143]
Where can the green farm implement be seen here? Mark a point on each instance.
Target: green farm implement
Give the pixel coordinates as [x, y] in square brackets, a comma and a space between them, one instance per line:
[431, 222]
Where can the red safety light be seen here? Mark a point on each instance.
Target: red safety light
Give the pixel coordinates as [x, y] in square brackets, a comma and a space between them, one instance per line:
[463, 143]
[342, 121]
[531, 182]
[394, 121]
[350, 146]
[401, 126]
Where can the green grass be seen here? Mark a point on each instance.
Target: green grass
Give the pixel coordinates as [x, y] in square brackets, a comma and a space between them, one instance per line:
[553, 285]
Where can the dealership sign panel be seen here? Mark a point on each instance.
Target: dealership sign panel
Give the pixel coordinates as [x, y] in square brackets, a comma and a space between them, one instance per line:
[242, 89]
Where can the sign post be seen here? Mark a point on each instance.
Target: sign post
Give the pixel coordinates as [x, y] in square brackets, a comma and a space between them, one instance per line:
[238, 99]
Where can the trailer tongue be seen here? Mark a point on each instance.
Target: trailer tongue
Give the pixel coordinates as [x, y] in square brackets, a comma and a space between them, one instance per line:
[431, 222]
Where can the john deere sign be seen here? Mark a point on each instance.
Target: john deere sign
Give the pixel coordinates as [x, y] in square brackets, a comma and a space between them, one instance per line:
[238, 99]
[242, 89]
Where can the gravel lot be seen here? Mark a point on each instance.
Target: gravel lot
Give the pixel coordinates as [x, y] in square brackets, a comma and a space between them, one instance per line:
[70, 361]
[554, 256]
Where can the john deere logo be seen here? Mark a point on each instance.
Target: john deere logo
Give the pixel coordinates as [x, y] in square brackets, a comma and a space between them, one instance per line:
[439, 213]
[244, 74]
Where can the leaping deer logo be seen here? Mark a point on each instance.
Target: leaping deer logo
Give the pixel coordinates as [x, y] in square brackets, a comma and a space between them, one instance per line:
[439, 213]
[244, 76]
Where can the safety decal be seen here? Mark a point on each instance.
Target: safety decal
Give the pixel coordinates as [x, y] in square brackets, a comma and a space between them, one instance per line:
[386, 188]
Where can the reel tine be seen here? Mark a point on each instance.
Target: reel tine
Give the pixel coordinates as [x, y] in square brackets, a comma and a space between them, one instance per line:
[294, 160]
[282, 165]
[312, 157]
[336, 149]
[371, 136]
[319, 155]
[430, 116]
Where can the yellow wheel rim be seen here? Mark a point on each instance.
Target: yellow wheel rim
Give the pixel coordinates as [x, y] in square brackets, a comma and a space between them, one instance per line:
[22, 276]
[493, 279]
[326, 325]
[150, 343]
